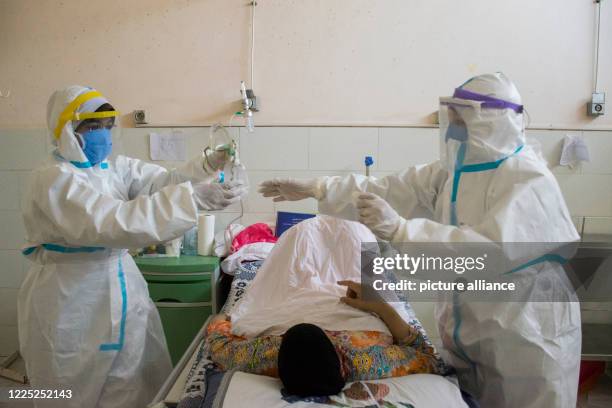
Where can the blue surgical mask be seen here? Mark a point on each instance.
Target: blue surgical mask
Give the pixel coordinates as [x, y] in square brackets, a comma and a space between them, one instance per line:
[456, 132]
[97, 145]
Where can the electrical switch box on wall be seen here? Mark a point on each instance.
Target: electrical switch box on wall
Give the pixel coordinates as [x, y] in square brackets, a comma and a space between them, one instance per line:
[597, 106]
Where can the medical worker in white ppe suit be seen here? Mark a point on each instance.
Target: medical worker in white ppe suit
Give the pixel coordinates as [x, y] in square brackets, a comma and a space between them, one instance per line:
[86, 322]
[488, 186]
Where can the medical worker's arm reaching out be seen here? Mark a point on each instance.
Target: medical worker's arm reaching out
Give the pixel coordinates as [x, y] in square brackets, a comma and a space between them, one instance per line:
[291, 189]
[410, 193]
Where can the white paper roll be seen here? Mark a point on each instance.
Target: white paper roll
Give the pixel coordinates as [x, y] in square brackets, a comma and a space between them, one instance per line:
[206, 234]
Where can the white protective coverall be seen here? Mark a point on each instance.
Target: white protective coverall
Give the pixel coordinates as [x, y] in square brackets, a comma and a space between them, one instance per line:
[86, 322]
[519, 354]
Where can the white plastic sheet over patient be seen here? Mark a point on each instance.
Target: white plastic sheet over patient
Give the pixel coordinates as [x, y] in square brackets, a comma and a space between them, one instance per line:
[297, 282]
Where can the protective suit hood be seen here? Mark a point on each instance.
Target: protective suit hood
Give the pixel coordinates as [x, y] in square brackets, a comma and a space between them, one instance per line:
[487, 114]
[65, 111]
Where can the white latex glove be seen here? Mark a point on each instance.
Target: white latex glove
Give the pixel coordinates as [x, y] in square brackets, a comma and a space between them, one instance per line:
[376, 214]
[215, 160]
[217, 196]
[291, 189]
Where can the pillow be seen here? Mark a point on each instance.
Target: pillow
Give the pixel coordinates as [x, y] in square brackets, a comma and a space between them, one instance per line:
[242, 279]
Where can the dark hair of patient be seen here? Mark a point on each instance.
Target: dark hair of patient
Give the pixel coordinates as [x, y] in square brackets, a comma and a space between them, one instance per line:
[308, 364]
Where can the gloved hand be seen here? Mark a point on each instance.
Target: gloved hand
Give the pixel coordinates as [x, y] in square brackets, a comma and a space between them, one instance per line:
[288, 189]
[376, 214]
[216, 159]
[216, 196]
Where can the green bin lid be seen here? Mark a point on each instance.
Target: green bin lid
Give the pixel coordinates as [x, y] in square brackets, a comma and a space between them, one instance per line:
[182, 264]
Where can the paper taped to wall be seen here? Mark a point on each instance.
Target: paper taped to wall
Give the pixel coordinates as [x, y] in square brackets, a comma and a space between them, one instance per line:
[167, 146]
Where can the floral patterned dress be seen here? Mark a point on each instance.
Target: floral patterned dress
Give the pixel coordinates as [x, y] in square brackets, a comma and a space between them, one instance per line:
[364, 355]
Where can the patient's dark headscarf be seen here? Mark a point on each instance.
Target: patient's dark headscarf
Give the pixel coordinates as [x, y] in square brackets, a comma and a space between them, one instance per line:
[308, 364]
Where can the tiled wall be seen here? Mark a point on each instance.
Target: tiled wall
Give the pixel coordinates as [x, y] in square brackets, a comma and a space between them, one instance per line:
[287, 152]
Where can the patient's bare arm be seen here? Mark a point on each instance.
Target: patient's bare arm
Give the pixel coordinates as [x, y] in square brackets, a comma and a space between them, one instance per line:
[402, 332]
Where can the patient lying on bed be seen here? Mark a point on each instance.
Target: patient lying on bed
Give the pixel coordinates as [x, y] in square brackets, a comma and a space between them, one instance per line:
[303, 318]
[311, 361]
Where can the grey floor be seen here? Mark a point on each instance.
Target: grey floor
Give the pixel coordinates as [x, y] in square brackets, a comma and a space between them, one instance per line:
[599, 397]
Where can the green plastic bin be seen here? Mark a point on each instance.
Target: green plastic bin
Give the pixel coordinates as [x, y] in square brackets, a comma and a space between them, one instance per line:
[182, 289]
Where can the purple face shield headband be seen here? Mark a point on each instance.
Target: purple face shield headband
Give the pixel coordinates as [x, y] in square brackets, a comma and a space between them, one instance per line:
[487, 101]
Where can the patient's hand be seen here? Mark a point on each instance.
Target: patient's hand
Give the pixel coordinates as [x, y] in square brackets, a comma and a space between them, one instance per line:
[354, 298]
[400, 330]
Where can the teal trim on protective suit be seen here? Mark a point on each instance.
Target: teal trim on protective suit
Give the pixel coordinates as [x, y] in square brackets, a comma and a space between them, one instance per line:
[87, 165]
[63, 249]
[119, 344]
[28, 250]
[470, 168]
[81, 165]
[71, 250]
[544, 258]
[78, 164]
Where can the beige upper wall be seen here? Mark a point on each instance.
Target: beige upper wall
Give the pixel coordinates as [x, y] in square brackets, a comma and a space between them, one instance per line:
[329, 62]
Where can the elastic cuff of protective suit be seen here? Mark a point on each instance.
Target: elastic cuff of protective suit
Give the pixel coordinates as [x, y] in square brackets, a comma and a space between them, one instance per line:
[399, 234]
[320, 188]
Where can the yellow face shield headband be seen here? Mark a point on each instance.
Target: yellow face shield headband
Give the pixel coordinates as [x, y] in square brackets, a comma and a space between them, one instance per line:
[70, 112]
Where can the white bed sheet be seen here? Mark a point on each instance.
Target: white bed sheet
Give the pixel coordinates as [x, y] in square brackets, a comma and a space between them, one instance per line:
[419, 390]
[297, 282]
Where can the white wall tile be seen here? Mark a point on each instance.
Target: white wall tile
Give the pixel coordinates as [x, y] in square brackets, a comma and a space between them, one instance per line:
[600, 149]
[404, 147]
[9, 188]
[135, 142]
[252, 218]
[22, 149]
[24, 180]
[13, 232]
[222, 219]
[550, 143]
[587, 194]
[198, 138]
[8, 306]
[9, 340]
[342, 148]
[11, 269]
[255, 202]
[275, 148]
[308, 206]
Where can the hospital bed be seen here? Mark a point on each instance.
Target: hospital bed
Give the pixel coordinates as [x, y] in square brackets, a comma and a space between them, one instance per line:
[196, 383]
[173, 388]
[240, 389]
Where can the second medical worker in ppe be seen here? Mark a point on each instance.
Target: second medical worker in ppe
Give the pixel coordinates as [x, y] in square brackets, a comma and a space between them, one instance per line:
[86, 322]
[488, 186]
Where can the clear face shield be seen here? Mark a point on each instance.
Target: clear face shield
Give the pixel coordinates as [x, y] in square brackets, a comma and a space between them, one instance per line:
[454, 114]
